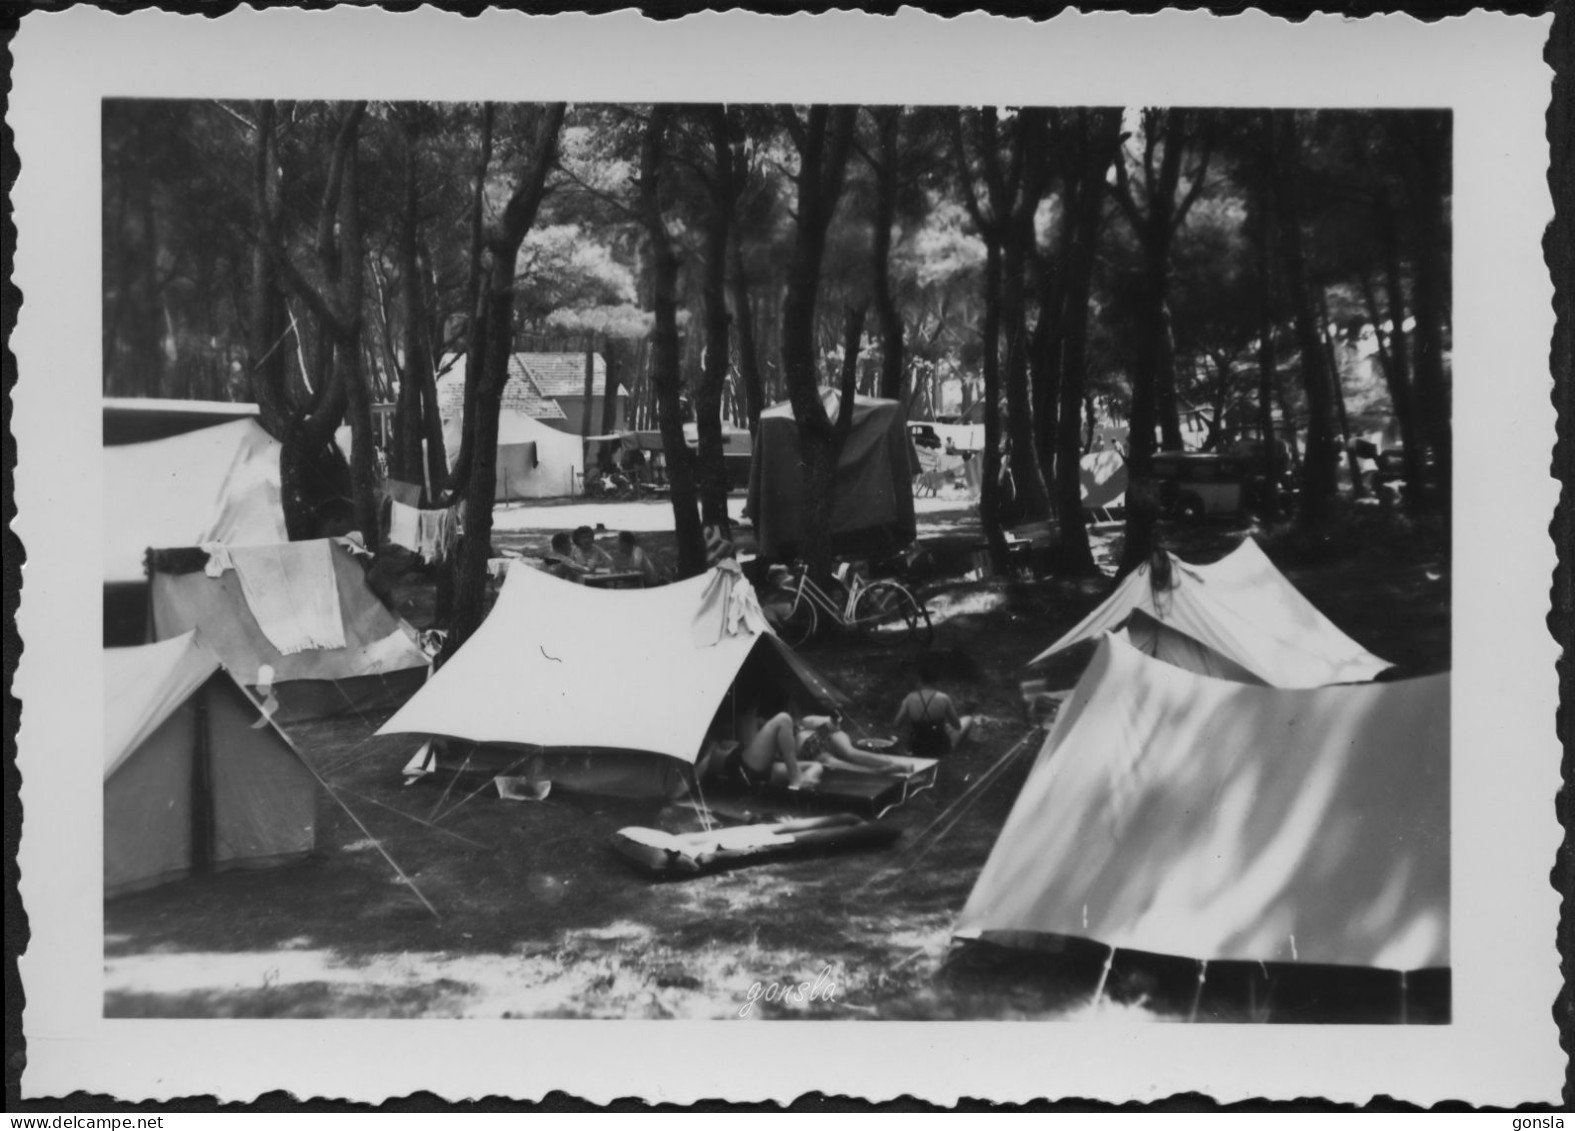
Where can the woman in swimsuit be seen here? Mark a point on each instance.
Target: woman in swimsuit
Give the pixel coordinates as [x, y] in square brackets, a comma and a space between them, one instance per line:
[801, 747]
[934, 727]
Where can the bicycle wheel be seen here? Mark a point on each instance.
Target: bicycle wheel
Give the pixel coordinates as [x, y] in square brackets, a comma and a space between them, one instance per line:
[792, 616]
[886, 613]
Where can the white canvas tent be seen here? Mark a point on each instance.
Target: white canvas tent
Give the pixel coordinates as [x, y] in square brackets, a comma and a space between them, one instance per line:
[194, 779]
[1103, 476]
[1178, 814]
[630, 679]
[535, 460]
[218, 484]
[377, 665]
[1238, 616]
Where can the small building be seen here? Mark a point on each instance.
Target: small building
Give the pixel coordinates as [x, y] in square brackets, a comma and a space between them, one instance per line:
[561, 377]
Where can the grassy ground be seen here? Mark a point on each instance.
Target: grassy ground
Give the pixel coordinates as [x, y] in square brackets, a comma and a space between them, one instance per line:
[536, 917]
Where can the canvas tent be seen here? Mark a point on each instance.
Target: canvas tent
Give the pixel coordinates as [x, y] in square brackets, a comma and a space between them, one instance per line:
[1183, 815]
[133, 420]
[356, 655]
[194, 780]
[535, 460]
[610, 691]
[1104, 480]
[872, 506]
[218, 484]
[1237, 618]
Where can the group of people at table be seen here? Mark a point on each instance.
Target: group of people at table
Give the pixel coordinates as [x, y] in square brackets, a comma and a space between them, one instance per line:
[763, 740]
[577, 557]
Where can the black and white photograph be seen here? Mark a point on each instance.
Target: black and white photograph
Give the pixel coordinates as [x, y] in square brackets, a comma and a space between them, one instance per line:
[988, 556]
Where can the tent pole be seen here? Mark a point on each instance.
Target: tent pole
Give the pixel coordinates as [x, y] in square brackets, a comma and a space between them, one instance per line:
[1197, 994]
[1404, 1011]
[201, 788]
[1104, 974]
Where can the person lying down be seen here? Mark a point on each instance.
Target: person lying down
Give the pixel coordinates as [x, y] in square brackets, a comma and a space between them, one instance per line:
[792, 751]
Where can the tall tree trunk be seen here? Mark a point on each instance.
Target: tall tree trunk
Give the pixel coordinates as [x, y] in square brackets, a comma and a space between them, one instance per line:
[990, 472]
[1100, 142]
[666, 376]
[1167, 402]
[303, 467]
[1392, 356]
[1033, 500]
[1142, 490]
[612, 358]
[1268, 277]
[1432, 143]
[1401, 382]
[1337, 384]
[409, 422]
[823, 147]
[748, 355]
[352, 258]
[476, 312]
[1153, 378]
[492, 341]
[268, 324]
[1319, 462]
[711, 465]
[1044, 354]
[589, 400]
[888, 120]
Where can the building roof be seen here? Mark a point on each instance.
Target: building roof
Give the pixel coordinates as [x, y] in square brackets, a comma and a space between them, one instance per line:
[522, 394]
[562, 374]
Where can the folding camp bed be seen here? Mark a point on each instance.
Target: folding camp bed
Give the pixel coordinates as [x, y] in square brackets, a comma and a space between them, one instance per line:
[869, 792]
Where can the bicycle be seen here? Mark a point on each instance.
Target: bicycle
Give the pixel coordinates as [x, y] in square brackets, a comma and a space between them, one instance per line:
[882, 612]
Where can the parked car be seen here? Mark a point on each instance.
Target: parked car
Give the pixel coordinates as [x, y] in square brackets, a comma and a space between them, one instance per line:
[923, 435]
[1261, 462]
[1200, 485]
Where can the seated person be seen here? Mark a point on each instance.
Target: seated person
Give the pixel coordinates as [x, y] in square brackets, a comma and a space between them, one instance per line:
[560, 560]
[934, 727]
[631, 558]
[586, 553]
